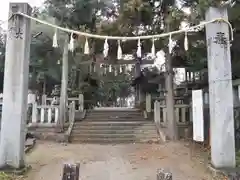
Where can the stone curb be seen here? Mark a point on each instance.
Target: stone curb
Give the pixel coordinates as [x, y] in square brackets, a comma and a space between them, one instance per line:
[30, 146]
[231, 174]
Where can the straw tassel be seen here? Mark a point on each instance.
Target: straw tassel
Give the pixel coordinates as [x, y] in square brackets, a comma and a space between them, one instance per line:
[55, 39]
[139, 50]
[86, 47]
[105, 48]
[153, 49]
[170, 44]
[186, 42]
[119, 52]
[71, 44]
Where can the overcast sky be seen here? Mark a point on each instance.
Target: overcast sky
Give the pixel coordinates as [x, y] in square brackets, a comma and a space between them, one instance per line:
[5, 6]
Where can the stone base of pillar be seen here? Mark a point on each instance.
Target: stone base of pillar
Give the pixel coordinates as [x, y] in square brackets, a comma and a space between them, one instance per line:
[59, 129]
[149, 115]
[137, 104]
[228, 173]
[18, 172]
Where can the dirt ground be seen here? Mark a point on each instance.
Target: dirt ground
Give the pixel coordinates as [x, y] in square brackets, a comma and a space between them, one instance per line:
[115, 162]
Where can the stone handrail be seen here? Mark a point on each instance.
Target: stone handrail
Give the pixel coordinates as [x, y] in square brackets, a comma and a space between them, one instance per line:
[71, 111]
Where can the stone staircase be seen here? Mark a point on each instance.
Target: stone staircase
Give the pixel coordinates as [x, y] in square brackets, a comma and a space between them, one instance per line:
[114, 126]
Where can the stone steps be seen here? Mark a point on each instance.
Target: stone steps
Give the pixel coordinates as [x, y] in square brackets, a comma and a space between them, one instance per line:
[130, 128]
[113, 122]
[42, 130]
[111, 140]
[115, 119]
[113, 131]
[114, 114]
[115, 126]
[113, 110]
[79, 129]
[114, 136]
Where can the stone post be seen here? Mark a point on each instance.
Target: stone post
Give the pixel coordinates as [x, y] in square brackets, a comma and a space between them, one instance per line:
[71, 172]
[44, 99]
[138, 87]
[81, 102]
[15, 90]
[148, 103]
[169, 79]
[34, 114]
[31, 98]
[220, 90]
[163, 175]
[157, 112]
[238, 92]
[64, 86]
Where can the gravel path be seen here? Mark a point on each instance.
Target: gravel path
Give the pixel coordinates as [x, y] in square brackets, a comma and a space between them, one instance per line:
[115, 162]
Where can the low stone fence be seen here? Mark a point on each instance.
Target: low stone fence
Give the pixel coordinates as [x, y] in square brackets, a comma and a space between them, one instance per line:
[183, 113]
[44, 115]
[79, 101]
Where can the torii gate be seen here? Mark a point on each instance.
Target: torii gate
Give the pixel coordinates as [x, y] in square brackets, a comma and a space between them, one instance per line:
[16, 88]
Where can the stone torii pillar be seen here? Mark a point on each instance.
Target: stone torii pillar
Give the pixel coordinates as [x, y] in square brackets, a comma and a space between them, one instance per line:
[64, 86]
[220, 90]
[15, 90]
